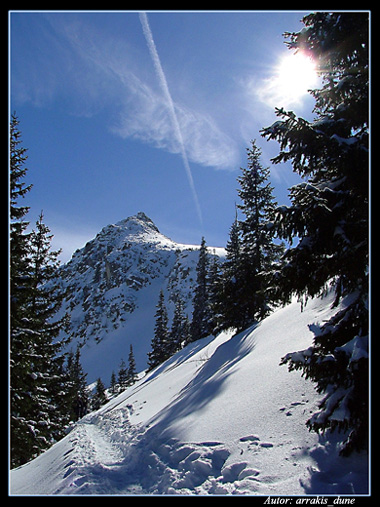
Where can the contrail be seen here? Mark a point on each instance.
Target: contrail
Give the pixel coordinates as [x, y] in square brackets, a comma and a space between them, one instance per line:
[164, 85]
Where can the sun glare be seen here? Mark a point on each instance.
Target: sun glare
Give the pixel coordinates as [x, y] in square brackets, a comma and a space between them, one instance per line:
[296, 75]
[290, 81]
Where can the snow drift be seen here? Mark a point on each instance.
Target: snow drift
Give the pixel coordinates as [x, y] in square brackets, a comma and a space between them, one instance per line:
[220, 417]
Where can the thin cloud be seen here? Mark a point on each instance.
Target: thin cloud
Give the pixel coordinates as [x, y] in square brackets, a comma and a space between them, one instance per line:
[145, 116]
[170, 106]
[94, 72]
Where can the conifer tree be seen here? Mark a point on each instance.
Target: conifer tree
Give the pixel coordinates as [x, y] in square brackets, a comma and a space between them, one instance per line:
[38, 383]
[329, 214]
[227, 305]
[233, 247]
[20, 337]
[113, 385]
[45, 388]
[132, 373]
[257, 251]
[200, 324]
[122, 378]
[19, 240]
[37, 389]
[159, 346]
[79, 400]
[178, 332]
[214, 288]
[100, 397]
[186, 331]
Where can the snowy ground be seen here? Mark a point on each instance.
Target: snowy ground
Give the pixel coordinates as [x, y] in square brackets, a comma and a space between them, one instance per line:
[220, 417]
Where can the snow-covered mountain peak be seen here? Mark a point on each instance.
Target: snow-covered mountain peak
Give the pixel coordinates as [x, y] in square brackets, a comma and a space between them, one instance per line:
[136, 223]
[112, 286]
[137, 227]
[129, 235]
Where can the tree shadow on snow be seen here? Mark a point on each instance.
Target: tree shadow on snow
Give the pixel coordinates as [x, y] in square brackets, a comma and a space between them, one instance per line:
[144, 466]
[179, 357]
[334, 474]
[208, 381]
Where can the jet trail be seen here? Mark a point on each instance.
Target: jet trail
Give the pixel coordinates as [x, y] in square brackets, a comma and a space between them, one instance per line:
[164, 85]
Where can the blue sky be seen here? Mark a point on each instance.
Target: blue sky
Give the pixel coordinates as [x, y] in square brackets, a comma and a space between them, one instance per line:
[119, 120]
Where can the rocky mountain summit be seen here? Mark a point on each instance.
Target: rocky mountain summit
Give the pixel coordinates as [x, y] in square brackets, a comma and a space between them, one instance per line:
[112, 286]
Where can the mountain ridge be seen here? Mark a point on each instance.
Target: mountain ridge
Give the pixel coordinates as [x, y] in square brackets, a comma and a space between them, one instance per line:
[112, 286]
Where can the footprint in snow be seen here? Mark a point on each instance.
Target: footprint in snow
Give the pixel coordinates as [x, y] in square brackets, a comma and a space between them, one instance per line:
[250, 438]
[266, 444]
[254, 442]
[291, 406]
[238, 472]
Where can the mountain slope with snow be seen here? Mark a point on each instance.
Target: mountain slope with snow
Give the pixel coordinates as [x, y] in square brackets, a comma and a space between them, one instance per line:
[112, 286]
[219, 417]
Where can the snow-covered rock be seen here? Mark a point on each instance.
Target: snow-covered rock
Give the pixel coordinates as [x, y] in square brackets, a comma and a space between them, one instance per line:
[219, 417]
[112, 286]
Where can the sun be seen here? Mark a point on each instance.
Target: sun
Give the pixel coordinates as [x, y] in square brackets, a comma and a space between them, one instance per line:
[289, 81]
[296, 74]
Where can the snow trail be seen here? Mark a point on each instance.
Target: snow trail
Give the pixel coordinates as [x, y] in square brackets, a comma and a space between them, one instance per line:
[220, 417]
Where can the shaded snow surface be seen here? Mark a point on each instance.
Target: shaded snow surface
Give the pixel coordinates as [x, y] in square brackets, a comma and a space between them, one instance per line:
[220, 417]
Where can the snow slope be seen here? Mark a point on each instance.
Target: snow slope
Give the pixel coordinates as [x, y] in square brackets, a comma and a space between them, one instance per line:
[220, 417]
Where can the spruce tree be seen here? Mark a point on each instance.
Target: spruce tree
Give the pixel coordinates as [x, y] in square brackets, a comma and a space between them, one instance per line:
[214, 287]
[19, 240]
[20, 337]
[38, 394]
[99, 398]
[46, 389]
[258, 251]
[132, 373]
[37, 379]
[329, 214]
[227, 307]
[178, 331]
[159, 346]
[122, 378]
[233, 247]
[186, 331]
[79, 400]
[200, 324]
[113, 384]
